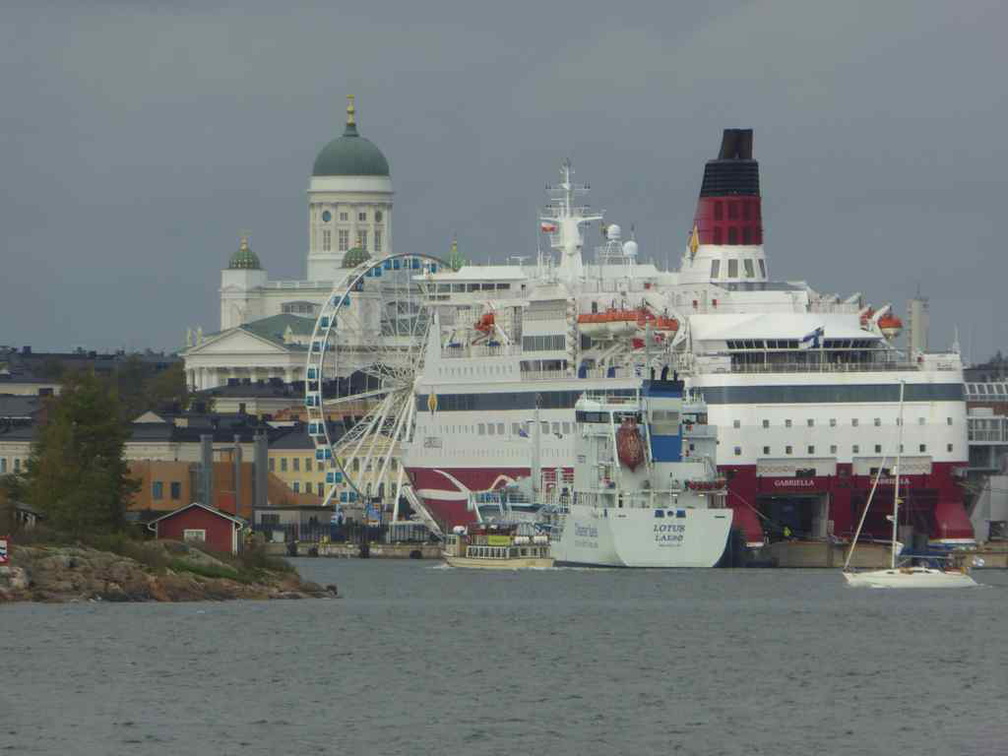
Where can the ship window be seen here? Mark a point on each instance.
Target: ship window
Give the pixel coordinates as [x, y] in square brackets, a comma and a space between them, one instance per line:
[490, 429]
[545, 426]
[500, 429]
[878, 448]
[715, 268]
[692, 447]
[481, 429]
[855, 448]
[878, 422]
[733, 235]
[920, 421]
[659, 513]
[832, 449]
[762, 268]
[736, 423]
[948, 421]
[766, 449]
[732, 264]
[766, 423]
[922, 448]
[948, 447]
[738, 451]
[787, 423]
[788, 449]
[811, 449]
[566, 426]
[514, 429]
[832, 422]
[854, 422]
[718, 211]
[810, 422]
[747, 264]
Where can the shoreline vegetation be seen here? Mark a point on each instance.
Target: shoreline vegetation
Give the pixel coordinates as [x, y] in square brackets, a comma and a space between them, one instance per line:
[121, 569]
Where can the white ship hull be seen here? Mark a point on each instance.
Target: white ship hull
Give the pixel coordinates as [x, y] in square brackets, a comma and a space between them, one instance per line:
[637, 538]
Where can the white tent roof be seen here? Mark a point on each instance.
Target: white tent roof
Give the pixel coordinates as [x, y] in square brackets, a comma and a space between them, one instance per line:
[783, 325]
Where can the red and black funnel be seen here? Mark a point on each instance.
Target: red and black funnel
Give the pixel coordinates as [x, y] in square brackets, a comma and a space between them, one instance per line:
[728, 211]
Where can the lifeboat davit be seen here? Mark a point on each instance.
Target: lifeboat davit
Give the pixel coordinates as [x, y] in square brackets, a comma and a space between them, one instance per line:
[629, 444]
[890, 325]
[866, 317]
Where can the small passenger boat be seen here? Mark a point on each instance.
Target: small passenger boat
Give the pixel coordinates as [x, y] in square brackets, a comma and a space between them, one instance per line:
[497, 547]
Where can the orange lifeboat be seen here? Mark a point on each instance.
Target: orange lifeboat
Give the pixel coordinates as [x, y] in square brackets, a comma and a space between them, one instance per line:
[629, 444]
[866, 317]
[486, 323]
[890, 325]
[663, 323]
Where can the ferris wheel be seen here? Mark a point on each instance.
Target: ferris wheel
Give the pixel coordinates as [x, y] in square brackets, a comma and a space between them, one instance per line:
[365, 353]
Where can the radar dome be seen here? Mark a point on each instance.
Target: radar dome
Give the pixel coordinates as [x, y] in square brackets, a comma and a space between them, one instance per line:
[613, 232]
[630, 248]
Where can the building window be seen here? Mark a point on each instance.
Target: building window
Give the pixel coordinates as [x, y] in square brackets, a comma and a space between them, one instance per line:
[715, 268]
[272, 464]
[17, 464]
[787, 423]
[377, 241]
[194, 535]
[736, 423]
[878, 448]
[811, 449]
[176, 490]
[362, 239]
[307, 487]
[297, 463]
[297, 486]
[855, 448]
[362, 216]
[738, 451]
[766, 423]
[157, 490]
[788, 449]
[343, 239]
[327, 241]
[732, 264]
[378, 216]
[307, 464]
[832, 422]
[283, 464]
[922, 448]
[3, 464]
[832, 449]
[748, 265]
[762, 268]
[810, 422]
[344, 216]
[766, 450]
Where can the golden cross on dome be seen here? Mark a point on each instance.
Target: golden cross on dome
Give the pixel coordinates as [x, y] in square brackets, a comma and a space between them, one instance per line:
[350, 111]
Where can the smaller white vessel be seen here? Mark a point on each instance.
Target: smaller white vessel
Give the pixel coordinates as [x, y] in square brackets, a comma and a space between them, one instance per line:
[645, 491]
[901, 576]
[496, 547]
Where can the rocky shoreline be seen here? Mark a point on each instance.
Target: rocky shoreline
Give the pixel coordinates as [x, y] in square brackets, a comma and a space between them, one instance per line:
[165, 571]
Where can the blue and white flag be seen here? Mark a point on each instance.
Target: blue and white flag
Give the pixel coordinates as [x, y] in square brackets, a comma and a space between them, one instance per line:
[522, 432]
[812, 340]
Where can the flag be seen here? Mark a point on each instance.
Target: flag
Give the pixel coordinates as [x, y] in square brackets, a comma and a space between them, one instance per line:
[694, 240]
[812, 340]
[522, 432]
[547, 227]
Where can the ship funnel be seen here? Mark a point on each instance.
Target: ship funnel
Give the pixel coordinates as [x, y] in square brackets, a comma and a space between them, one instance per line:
[728, 210]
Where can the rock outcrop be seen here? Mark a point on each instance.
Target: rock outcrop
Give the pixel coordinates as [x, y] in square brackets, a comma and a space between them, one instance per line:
[168, 572]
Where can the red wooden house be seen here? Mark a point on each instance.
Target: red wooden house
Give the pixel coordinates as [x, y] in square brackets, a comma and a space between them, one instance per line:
[202, 526]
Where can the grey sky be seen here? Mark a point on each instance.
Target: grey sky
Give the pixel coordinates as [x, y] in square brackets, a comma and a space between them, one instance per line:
[136, 143]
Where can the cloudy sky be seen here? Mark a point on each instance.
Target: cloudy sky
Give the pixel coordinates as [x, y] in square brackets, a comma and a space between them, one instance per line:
[139, 139]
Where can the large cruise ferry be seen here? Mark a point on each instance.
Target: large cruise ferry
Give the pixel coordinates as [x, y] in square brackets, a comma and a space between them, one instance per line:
[803, 386]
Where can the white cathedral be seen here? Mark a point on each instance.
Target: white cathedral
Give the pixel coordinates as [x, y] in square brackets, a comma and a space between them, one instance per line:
[265, 325]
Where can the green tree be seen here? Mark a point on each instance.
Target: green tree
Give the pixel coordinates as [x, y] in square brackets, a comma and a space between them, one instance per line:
[77, 474]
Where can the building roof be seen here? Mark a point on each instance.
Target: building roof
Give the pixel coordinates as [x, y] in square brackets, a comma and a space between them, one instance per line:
[350, 154]
[244, 258]
[297, 438]
[275, 327]
[212, 510]
[17, 407]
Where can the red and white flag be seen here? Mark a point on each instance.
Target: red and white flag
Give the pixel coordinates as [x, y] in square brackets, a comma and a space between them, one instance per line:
[547, 227]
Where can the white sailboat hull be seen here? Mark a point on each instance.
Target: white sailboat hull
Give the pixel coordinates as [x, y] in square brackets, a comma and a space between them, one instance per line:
[637, 538]
[909, 577]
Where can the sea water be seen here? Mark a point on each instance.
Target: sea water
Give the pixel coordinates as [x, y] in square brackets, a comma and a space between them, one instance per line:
[417, 658]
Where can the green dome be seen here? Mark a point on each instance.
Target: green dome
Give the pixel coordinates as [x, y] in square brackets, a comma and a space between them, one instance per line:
[350, 154]
[355, 256]
[244, 258]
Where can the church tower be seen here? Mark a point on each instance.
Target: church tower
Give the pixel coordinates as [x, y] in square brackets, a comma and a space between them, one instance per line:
[242, 282]
[349, 201]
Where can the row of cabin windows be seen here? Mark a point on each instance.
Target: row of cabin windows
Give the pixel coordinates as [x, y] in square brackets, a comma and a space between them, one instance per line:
[794, 344]
[174, 489]
[748, 267]
[557, 428]
[810, 422]
[544, 342]
[810, 450]
[459, 288]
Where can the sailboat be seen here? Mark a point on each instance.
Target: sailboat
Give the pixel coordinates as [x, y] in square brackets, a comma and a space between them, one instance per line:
[900, 576]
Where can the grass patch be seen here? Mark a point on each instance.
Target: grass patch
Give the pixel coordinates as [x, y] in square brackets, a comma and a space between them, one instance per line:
[208, 570]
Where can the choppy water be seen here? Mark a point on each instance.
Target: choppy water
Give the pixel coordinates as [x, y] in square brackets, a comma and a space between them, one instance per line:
[420, 659]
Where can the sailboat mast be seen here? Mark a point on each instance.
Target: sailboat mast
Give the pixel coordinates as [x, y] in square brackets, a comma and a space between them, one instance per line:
[899, 451]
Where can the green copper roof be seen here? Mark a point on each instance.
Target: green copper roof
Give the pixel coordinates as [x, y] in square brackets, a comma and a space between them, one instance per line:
[244, 258]
[275, 328]
[350, 154]
[355, 256]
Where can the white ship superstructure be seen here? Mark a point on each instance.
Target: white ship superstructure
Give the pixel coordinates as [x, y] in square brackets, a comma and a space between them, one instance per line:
[803, 386]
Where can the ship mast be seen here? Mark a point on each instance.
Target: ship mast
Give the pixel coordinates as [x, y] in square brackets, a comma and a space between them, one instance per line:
[562, 219]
